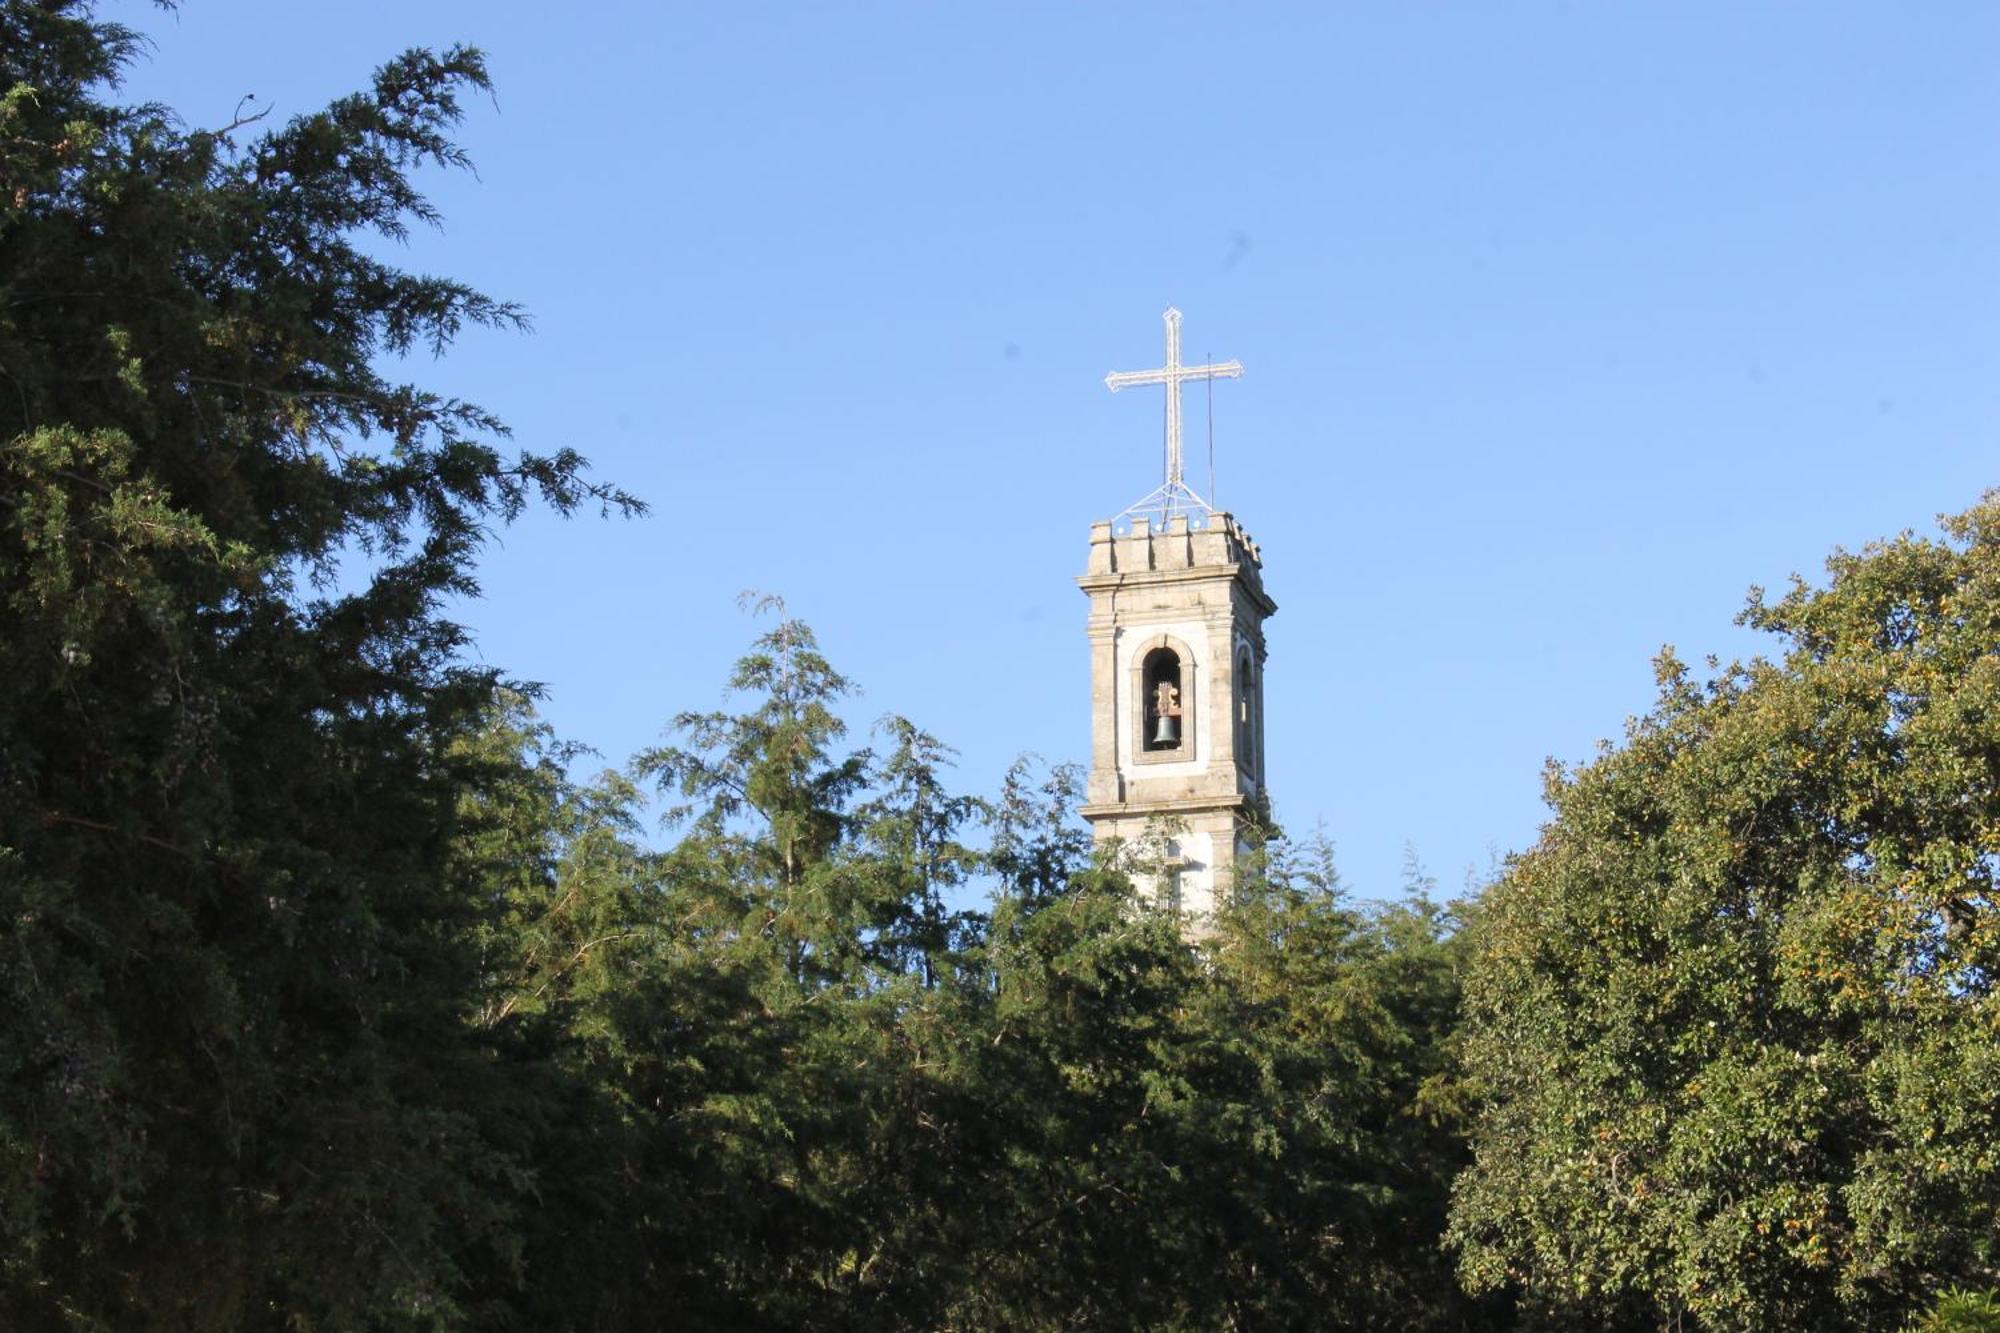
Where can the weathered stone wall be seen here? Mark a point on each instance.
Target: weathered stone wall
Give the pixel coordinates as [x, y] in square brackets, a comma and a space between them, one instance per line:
[1199, 591]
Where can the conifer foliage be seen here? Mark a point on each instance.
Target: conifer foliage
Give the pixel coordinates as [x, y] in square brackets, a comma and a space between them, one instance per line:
[235, 940]
[850, 1104]
[334, 999]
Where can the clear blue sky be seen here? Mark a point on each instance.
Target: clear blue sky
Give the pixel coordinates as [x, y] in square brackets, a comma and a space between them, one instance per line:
[1563, 323]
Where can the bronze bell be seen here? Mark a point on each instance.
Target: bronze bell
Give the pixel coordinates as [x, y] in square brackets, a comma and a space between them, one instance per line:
[1167, 731]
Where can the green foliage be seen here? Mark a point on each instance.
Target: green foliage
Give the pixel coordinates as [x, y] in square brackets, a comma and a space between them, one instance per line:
[1734, 1017]
[238, 1081]
[337, 1001]
[1961, 1311]
[836, 1100]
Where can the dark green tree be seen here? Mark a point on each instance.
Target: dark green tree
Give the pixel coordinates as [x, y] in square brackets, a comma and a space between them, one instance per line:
[1347, 1011]
[1733, 1018]
[850, 1101]
[785, 1041]
[1238, 1127]
[241, 1078]
[571, 909]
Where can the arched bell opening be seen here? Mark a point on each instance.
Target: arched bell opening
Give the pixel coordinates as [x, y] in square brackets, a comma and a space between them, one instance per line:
[1246, 713]
[1163, 690]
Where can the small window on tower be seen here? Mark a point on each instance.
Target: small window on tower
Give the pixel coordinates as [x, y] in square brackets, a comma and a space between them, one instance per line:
[1246, 717]
[1164, 699]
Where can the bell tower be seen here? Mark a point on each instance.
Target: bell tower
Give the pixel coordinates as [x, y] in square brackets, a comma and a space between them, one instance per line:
[1177, 610]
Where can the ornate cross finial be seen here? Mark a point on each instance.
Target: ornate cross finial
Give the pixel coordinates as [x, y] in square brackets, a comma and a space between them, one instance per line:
[1171, 375]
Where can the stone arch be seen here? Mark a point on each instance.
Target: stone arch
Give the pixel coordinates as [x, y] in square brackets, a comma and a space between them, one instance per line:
[1244, 708]
[1160, 663]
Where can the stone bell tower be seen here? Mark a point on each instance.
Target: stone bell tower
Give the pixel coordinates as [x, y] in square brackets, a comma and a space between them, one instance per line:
[1177, 610]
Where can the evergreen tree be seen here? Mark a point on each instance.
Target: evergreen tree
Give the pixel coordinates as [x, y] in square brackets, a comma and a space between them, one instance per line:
[846, 1102]
[240, 1079]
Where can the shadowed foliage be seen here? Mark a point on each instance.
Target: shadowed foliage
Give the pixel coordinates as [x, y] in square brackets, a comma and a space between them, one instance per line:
[1734, 1017]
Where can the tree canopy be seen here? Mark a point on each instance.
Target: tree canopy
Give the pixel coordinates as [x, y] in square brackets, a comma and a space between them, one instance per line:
[339, 995]
[239, 932]
[1734, 1017]
[335, 1000]
[857, 1105]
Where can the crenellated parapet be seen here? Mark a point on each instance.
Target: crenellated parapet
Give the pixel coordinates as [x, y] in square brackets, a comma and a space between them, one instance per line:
[1178, 549]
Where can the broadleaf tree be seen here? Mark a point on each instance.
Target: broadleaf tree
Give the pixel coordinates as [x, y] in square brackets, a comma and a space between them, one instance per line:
[1734, 1017]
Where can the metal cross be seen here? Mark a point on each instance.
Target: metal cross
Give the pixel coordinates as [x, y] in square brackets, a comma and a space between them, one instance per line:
[1171, 375]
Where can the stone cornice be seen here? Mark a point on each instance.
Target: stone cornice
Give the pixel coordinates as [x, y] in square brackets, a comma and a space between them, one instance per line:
[1177, 805]
[1145, 578]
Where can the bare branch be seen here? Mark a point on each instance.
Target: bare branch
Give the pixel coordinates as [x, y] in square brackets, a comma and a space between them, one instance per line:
[239, 119]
